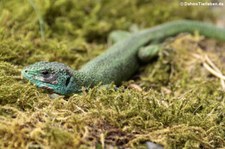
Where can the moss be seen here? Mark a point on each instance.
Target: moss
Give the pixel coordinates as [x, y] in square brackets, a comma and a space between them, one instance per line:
[181, 105]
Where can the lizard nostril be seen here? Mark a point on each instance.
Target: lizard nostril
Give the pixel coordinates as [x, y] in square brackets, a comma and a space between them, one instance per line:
[26, 71]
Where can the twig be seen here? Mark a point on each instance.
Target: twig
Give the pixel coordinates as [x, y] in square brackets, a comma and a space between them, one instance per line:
[211, 67]
[40, 19]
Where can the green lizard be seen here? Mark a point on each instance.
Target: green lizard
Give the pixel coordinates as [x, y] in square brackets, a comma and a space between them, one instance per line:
[116, 64]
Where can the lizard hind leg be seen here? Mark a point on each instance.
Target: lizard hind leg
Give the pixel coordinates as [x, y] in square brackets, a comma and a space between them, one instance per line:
[145, 54]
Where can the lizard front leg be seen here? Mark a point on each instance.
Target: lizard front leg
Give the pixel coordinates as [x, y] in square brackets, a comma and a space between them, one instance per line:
[117, 36]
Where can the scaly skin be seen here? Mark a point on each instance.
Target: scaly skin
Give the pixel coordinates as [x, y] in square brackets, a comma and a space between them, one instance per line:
[117, 64]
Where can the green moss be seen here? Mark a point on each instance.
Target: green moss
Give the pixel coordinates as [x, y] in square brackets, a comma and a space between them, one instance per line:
[181, 105]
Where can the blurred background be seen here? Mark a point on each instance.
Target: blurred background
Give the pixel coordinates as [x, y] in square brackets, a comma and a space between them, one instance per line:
[82, 23]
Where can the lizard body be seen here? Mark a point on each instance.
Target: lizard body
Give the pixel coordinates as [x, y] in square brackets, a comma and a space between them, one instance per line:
[116, 64]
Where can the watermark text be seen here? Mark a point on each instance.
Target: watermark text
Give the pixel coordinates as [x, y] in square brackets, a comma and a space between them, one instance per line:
[202, 4]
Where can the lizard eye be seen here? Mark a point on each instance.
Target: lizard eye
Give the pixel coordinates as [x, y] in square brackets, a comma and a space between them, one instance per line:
[45, 72]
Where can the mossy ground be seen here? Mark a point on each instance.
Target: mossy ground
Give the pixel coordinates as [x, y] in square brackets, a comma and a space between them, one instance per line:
[181, 104]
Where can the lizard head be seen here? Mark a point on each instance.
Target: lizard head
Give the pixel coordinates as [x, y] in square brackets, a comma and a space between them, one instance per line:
[53, 76]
